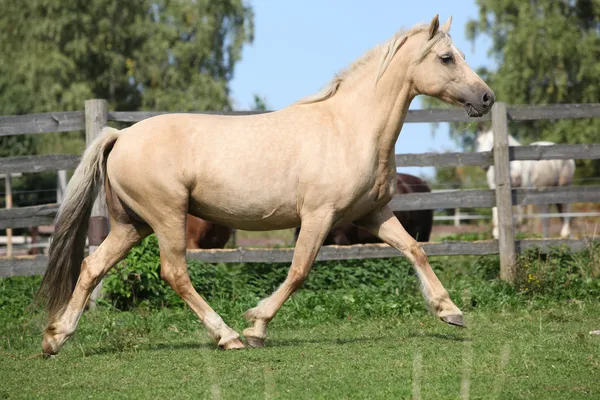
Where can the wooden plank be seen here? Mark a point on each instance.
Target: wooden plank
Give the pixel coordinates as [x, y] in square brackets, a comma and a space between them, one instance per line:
[55, 162]
[556, 152]
[434, 115]
[96, 114]
[557, 195]
[327, 253]
[483, 159]
[74, 120]
[41, 123]
[136, 116]
[44, 215]
[553, 111]
[24, 217]
[444, 159]
[49, 162]
[486, 198]
[506, 228]
[516, 112]
[22, 266]
[35, 265]
[449, 248]
[451, 199]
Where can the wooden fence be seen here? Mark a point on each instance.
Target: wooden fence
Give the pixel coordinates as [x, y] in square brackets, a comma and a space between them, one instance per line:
[97, 115]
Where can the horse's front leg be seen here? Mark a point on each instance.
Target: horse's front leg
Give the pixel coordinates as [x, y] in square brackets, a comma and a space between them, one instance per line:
[384, 224]
[312, 233]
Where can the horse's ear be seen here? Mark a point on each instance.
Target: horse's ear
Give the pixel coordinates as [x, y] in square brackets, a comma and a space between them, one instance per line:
[434, 26]
[446, 27]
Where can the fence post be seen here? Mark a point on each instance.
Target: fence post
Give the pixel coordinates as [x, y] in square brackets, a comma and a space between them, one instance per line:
[8, 205]
[506, 230]
[457, 217]
[96, 117]
[61, 185]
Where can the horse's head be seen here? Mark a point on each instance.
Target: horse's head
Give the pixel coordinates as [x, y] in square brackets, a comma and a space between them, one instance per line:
[442, 72]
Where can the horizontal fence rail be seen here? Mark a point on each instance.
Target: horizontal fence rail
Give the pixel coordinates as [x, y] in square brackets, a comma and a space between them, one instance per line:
[36, 265]
[44, 215]
[75, 120]
[55, 162]
[516, 113]
[515, 153]
[24, 217]
[50, 162]
[42, 123]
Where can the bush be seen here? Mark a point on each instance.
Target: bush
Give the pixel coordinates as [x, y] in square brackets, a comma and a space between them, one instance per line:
[560, 274]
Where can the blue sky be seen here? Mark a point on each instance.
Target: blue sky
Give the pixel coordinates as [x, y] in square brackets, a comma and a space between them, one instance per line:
[300, 45]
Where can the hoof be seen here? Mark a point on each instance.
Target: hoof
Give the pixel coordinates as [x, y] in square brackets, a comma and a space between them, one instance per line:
[48, 349]
[255, 342]
[456, 320]
[233, 344]
[252, 339]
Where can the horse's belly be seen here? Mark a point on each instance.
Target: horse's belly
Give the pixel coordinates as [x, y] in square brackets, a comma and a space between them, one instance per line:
[247, 213]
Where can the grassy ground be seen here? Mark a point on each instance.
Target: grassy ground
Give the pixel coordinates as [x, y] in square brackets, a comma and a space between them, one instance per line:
[357, 330]
[528, 353]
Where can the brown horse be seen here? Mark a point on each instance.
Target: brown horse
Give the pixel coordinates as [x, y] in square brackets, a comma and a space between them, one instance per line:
[203, 234]
[418, 223]
[319, 163]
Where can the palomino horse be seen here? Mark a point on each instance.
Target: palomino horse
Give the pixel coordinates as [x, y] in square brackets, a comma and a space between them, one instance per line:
[531, 173]
[418, 223]
[324, 161]
[202, 234]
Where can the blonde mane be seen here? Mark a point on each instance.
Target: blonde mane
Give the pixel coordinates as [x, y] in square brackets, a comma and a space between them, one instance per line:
[387, 50]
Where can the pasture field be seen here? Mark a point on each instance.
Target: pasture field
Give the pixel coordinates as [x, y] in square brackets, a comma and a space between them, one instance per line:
[538, 353]
[359, 330]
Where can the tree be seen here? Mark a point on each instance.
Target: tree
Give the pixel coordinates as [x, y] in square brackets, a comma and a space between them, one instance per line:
[547, 52]
[139, 54]
[144, 54]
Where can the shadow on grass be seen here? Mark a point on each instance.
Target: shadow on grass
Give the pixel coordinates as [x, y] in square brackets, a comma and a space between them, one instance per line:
[100, 350]
[441, 336]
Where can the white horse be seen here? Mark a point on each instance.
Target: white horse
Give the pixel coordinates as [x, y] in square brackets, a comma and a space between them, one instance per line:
[530, 173]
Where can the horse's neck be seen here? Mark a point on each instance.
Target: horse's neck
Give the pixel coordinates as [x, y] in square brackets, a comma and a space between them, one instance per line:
[374, 114]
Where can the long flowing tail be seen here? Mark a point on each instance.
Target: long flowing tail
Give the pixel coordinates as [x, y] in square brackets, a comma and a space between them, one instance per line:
[70, 227]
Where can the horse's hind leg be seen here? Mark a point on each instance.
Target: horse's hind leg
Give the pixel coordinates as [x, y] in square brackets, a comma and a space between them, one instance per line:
[171, 240]
[565, 231]
[544, 219]
[115, 247]
[312, 233]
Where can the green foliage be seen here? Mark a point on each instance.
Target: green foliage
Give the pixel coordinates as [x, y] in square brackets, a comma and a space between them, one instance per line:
[16, 294]
[144, 54]
[561, 274]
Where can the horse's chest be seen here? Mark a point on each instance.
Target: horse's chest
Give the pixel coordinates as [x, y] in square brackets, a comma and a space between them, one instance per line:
[377, 192]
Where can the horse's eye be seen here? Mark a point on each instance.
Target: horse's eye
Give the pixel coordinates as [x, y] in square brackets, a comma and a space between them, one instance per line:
[447, 59]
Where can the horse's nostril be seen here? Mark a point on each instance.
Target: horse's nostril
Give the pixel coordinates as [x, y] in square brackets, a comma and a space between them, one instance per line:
[488, 98]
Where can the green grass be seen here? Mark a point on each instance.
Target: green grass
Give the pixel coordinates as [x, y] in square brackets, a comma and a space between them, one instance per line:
[542, 353]
[357, 329]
